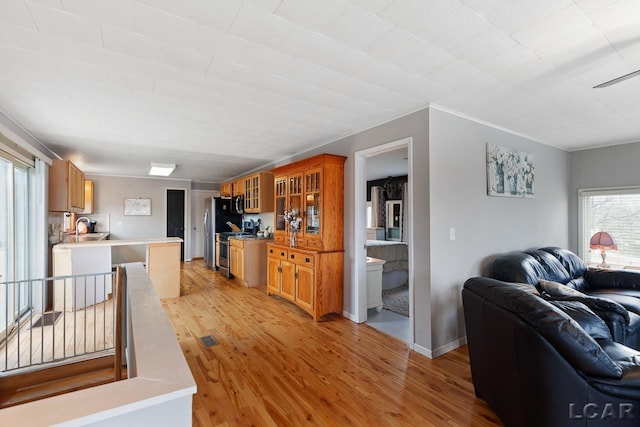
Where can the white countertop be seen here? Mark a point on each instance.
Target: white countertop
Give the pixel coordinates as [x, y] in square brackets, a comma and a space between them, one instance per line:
[121, 242]
[375, 261]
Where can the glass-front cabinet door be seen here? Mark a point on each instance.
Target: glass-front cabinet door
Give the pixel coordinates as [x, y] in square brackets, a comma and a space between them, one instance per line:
[248, 201]
[295, 194]
[255, 193]
[312, 188]
[280, 190]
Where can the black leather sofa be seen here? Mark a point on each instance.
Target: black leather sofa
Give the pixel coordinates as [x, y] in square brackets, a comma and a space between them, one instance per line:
[616, 293]
[536, 365]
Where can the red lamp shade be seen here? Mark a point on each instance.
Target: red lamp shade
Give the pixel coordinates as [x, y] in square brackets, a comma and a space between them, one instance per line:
[603, 241]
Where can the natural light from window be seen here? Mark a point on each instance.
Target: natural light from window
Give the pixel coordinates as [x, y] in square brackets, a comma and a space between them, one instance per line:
[618, 213]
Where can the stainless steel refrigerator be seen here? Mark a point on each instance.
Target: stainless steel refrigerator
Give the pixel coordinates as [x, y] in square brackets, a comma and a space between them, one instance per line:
[217, 213]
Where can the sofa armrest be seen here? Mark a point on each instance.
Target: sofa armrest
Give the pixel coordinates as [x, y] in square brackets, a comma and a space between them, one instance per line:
[612, 279]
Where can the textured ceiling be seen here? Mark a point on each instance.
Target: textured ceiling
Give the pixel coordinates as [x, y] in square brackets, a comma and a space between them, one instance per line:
[223, 86]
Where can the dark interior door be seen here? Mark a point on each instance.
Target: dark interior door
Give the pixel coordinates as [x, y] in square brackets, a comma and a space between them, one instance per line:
[175, 217]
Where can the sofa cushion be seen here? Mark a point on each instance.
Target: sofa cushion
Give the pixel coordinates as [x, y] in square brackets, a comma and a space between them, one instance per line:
[599, 303]
[629, 302]
[587, 319]
[517, 267]
[612, 279]
[556, 289]
[553, 269]
[570, 261]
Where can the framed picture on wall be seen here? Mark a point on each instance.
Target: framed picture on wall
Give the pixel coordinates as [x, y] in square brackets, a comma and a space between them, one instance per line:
[510, 173]
[138, 206]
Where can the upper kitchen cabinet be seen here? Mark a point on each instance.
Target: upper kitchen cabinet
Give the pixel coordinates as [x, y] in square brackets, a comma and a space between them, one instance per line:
[258, 195]
[238, 187]
[66, 187]
[315, 188]
[88, 197]
[226, 189]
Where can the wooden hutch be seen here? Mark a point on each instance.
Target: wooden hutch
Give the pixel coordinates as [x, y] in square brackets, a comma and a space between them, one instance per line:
[311, 273]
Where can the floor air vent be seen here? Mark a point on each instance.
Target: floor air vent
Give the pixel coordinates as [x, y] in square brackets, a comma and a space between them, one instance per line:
[208, 341]
[47, 319]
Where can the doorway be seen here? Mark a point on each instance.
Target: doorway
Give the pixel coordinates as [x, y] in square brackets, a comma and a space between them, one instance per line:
[176, 202]
[198, 207]
[367, 163]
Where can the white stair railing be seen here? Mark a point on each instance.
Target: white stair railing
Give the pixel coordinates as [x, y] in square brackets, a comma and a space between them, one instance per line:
[79, 322]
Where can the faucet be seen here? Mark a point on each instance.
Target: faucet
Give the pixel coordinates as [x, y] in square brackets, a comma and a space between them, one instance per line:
[82, 218]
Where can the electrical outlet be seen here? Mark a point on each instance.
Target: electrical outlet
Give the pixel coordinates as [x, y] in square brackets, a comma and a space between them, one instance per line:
[452, 233]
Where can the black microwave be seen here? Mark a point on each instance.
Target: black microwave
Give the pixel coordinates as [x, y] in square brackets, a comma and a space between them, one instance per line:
[237, 205]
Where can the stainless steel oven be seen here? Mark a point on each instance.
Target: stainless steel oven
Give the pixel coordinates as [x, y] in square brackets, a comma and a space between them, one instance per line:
[222, 246]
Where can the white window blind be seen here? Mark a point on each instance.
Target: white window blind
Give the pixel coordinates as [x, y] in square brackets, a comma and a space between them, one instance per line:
[616, 211]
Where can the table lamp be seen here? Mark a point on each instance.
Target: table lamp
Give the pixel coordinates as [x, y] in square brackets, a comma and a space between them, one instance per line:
[603, 241]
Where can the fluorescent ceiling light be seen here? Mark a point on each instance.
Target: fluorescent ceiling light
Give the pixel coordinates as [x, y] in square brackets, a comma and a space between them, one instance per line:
[161, 169]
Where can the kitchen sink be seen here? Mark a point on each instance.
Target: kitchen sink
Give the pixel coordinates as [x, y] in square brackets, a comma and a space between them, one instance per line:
[86, 237]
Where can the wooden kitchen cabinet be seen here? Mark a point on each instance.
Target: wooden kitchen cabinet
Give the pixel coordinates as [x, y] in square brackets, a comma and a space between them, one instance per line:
[310, 274]
[305, 287]
[226, 189]
[238, 187]
[66, 187]
[236, 258]
[281, 274]
[315, 187]
[310, 279]
[248, 261]
[257, 190]
[258, 195]
[88, 197]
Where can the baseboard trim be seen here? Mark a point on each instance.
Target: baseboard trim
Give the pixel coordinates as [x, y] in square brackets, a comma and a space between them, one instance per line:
[432, 354]
[349, 316]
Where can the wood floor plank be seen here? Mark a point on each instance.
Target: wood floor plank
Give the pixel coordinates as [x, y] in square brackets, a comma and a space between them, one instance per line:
[275, 366]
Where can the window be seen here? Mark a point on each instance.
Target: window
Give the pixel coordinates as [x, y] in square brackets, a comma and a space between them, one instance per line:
[616, 211]
[14, 242]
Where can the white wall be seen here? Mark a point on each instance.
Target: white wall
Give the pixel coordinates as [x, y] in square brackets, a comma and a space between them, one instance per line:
[109, 195]
[615, 166]
[484, 226]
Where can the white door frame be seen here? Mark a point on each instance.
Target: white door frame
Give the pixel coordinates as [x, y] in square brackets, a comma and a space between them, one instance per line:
[360, 232]
[196, 195]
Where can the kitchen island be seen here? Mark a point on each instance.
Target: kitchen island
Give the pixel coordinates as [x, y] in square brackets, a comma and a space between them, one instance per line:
[94, 257]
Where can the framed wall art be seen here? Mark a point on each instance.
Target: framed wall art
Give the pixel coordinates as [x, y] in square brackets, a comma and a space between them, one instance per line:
[510, 173]
[138, 206]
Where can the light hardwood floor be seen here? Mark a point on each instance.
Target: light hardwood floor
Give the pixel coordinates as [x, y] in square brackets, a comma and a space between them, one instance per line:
[275, 366]
[74, 333]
